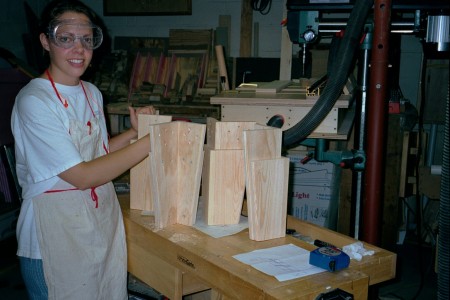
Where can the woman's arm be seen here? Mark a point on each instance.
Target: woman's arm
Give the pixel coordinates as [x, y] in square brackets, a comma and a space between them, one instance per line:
[122, 156]
[122, 140]
[107, 167]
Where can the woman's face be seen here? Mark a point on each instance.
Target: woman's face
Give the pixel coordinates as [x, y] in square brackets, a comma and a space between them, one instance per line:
[68, 60]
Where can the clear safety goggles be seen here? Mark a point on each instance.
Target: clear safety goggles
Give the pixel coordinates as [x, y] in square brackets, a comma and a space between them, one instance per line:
[65, 33]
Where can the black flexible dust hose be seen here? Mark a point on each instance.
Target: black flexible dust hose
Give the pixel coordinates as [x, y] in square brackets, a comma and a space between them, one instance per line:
[444, 211]
[348, 48]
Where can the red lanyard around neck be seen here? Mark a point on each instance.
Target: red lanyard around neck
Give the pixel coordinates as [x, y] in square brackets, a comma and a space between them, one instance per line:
[64, 103]
[56, 91]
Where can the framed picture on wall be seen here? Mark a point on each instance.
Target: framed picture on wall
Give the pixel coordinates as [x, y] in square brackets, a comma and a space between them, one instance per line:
[147, 7]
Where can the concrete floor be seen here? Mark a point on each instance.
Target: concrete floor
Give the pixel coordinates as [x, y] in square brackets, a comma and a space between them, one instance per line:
[415, 277]
[407, 284]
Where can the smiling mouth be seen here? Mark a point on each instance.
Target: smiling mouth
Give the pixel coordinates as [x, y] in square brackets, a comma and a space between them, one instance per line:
[76, 61]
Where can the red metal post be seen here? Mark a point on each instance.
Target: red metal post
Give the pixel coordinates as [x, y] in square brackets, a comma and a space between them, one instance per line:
[376, 127]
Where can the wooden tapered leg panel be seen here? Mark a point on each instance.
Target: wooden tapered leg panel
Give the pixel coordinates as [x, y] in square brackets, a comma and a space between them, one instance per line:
[267, 199]
[226, 135]
[176, 163]
[266, 177]
[190, 152]
[223, 186]
[223, 177]
[164, 166]
[144, 122]
[262, 143]
[140, 186]
[140, 183]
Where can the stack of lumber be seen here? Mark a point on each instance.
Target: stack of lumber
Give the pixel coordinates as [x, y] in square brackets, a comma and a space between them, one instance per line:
[178, 74]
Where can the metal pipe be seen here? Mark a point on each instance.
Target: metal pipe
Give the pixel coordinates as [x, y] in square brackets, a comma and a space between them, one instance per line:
[364, 79]
[396, 27]
[429, 159]
[377, 111]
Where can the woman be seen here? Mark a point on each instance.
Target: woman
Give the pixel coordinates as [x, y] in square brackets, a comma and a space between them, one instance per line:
[71, 242]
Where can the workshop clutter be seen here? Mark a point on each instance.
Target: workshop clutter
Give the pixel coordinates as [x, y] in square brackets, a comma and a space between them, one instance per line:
[179, 68]
[174, 69]
[174, 77]
[238, 156]
[313, 190]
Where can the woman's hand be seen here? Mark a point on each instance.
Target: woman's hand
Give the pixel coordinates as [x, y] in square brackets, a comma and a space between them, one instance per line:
[123, 140]
[148, 110]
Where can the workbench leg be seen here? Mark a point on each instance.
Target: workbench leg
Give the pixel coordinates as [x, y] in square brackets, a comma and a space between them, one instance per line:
[178, 292]
[207, 295]
[361, 289]
[215, 295]
[114, 124]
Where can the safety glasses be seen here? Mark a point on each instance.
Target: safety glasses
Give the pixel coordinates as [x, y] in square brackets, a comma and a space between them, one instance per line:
[65, 33]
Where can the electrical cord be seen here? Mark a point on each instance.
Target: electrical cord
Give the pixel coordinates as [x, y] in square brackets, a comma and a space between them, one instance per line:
[262, 6]
[419, 217]
[419, 212]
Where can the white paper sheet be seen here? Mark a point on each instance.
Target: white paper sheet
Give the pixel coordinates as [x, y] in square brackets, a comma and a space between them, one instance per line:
[218, 231]
[284, 262]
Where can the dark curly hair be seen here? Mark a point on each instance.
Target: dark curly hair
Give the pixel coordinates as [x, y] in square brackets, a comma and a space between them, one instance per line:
[56, 8]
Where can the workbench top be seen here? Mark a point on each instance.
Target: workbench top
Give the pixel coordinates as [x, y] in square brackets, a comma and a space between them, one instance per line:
[293, 99]
[180, 259]
[269, 94]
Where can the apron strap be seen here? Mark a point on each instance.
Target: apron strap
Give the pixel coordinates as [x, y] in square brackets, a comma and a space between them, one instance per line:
[94, 195]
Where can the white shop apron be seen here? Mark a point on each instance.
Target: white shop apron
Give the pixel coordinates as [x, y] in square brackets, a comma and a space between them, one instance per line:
[81, 234]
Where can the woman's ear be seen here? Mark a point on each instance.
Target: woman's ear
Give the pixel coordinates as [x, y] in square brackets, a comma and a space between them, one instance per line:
[44, 41]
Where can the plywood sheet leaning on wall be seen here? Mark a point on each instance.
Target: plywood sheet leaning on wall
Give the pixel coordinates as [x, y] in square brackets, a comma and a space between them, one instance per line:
[176, 159]
[223, 176]
[266, 176]
[140, 183]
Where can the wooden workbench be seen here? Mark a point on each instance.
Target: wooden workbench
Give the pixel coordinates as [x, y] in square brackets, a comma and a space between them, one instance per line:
[289, 100]
[180, 260]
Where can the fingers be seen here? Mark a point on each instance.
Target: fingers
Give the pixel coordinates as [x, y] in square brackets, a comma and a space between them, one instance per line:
[149, 110]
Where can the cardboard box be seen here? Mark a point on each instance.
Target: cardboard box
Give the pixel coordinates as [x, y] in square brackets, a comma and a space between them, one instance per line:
[312, 204]
[313, 191]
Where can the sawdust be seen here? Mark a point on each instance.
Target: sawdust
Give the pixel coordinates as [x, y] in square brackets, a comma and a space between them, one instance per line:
[180, 237]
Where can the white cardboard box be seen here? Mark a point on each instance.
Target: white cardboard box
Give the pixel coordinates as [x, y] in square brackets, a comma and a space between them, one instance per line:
[313, 191]
[312, 204]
